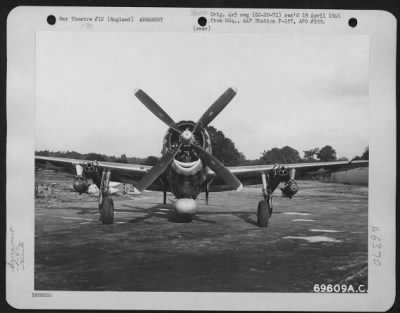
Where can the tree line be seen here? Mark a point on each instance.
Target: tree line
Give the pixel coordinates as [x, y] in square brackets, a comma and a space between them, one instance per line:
[223, 149]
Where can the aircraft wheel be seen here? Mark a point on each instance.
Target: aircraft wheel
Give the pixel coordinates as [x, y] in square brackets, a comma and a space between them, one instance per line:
[180, 218]
[184, 218]
[107, 211]
[263, 213]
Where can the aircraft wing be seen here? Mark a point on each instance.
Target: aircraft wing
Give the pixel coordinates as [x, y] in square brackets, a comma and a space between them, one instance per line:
[251, 175]
[120, 172]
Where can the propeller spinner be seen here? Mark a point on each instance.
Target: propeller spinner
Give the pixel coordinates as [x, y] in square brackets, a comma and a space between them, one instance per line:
[187, 138]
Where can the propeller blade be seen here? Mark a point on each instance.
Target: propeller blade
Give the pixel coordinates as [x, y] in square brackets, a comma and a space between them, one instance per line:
[216, 108]
[155, 109]
[157, 169]
[219, 169]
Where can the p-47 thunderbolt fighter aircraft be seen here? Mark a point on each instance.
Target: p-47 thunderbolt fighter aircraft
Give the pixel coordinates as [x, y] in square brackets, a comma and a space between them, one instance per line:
[187, 168]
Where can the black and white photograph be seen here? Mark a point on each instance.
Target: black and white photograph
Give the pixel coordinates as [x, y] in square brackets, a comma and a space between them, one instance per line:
[214, 160]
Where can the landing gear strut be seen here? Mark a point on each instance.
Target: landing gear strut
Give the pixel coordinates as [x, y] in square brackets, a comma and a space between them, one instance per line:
[106, 204]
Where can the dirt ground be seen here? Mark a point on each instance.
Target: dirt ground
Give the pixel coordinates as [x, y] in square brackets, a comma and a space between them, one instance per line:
[318, 237]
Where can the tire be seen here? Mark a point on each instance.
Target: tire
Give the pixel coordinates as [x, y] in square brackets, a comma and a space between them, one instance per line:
[263, 213]
[184, 218]
[107, 211]
[180, 218]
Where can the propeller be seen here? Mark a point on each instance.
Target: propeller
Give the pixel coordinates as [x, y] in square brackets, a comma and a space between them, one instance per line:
[157, 169]
[215, 108]
[219, 168]
[155, 109]
[187, 138]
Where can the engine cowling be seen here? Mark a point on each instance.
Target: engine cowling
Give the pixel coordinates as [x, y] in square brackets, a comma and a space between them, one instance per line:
[290, 189]
[80, 184]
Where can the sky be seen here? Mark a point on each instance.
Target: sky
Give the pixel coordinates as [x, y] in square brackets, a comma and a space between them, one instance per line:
[304, 91]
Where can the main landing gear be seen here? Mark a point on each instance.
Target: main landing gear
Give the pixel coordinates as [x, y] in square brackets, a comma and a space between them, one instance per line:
[270, 182]
[106, 204]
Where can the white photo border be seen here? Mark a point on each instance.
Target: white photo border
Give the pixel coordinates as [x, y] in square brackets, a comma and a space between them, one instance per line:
[22, 25]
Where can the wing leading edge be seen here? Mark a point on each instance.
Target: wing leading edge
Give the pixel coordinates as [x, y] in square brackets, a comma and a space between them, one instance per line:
[120, 172]
[251, 175]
